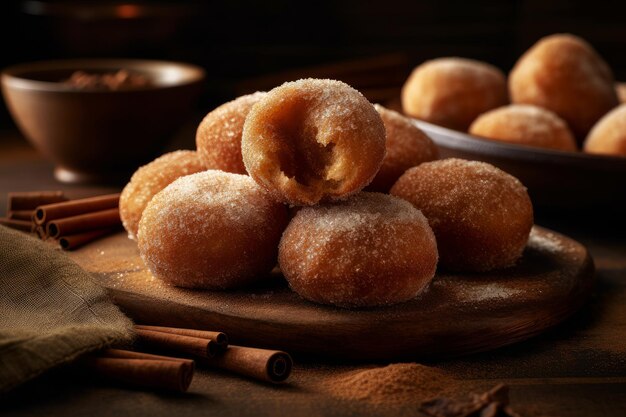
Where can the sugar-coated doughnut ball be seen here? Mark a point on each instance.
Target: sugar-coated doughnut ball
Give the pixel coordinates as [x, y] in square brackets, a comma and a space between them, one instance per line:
[407, 146]
[452, 92]
[149, 180]
[524, 124]
[218, 137]
[370, 250]
[313, 140]
[608, 136]
[481, 215]
[563, 73]
[212, 230]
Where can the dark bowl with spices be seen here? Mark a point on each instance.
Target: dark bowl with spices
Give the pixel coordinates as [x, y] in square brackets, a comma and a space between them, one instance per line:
[98, 119]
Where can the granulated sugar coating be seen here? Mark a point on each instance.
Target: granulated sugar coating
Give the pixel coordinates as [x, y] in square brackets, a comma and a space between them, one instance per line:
[564, 74]
[524, 124]
[313, 140]
[372, 249]
[407, 146]
[149, 180]
[481, 215]
[218, 137]
[452, 92]
[211, 230]
[396, 384]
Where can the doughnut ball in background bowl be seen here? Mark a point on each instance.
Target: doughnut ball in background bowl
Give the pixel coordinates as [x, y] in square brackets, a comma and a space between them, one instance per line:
[406, 145]
[149, 180]
[608, 136]
[312, 141]
[620, 89]
[452, 92]
[524, 124]
[564, 74]
[212, 230]
[481, 215]
[370, 250]
[218, 137]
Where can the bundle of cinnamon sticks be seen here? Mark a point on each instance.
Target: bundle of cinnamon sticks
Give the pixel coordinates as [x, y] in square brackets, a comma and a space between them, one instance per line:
[52, 216]
[207, 348]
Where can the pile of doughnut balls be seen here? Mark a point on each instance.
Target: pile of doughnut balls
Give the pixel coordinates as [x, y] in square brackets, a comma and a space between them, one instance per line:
[561, 95]
[278, 177]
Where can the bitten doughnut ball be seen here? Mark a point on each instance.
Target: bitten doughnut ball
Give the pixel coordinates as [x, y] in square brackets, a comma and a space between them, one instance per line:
[370, 250]
[149, 180]
[218, 137]
[564, 74]
[313, 140]
[212, 230]
[407, 146]
[481, 215]
[452, 92]
[524, 124]
[608, 136]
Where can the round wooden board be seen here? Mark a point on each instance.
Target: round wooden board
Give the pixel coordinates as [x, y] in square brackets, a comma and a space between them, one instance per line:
[457, 314]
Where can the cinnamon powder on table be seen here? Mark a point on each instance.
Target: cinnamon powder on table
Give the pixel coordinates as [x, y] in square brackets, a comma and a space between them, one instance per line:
[396, 384]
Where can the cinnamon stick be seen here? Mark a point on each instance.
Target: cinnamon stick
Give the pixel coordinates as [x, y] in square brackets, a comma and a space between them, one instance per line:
[262, 364]
[21, 214]
[221, 339]
[149, 373]
[84, 222]
[70, 242]
[32, 199]
[22, 225]
[48, 212]
[196, 346]
[131, 354]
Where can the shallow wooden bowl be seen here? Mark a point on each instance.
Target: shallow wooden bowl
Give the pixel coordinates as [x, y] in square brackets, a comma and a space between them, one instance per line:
[571, 180]
[94, 134]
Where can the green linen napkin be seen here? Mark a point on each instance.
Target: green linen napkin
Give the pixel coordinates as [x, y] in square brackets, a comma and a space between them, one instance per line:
[51, 310]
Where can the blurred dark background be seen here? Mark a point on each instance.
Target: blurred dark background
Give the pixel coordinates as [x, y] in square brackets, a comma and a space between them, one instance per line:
[248, 45]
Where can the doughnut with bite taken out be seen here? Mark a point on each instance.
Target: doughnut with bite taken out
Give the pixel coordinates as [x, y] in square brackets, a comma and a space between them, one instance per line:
[311, 141]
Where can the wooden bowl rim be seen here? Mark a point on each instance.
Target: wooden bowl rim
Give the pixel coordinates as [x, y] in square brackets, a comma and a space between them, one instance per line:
[454, 139]
[12, 77]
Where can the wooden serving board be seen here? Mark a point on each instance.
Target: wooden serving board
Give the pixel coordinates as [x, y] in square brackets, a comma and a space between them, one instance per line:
[457, 314]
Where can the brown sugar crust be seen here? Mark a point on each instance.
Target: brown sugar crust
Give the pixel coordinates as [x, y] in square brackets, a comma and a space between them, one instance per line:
[149, 180]
[370, 250]
[524, 124]
[452, 92]
[313, 140]
[481, 215]
[407, 146]
[608, 136]
[212, 230]
[564, 74]
[218, 137]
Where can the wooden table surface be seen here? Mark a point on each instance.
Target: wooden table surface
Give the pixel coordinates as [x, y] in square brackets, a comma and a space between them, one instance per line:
[575, 369]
